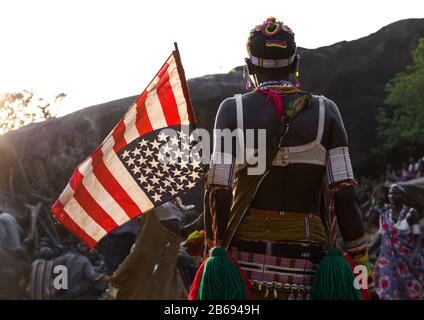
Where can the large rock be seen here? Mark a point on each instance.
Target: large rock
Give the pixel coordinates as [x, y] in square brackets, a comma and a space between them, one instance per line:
[37, 161]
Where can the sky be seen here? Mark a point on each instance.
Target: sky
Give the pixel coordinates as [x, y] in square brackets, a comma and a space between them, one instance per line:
[97, 51]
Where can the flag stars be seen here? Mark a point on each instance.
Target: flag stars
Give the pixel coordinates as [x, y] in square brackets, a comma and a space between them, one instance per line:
[154, 180]
[182, 179]
[154, 163]
[155, 144]
[136, 152]
[182, 135]
[161, 157]
[130, 162]
[195, 163]
[165, 167]
[161, 190]
[142, 179]
[191, 185]
[171, 180]
[136, 170]
[148, 152]
[141, 161]
[166, 149]
[176, 172]
[183, 164]
[125, 154]
[162, 136]
[157, 197]
[178, 153]
[167, 184]
[185, 145]
[175, 141]
[142, 143]
[194, 175]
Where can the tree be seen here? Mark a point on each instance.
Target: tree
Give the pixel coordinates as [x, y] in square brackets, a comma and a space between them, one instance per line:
[17, 109]
[401, 120]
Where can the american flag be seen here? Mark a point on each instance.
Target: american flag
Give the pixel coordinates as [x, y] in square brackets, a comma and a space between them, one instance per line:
[146, 160]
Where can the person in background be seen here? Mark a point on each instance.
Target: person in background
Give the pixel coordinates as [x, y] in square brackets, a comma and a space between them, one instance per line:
[10, 231]
[405, 175]
[412, 168]
[117, 245]
[390, 175]
[399, 270]
[82, 274]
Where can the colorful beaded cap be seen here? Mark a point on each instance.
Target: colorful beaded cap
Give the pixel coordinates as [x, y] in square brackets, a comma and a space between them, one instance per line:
[271, 27]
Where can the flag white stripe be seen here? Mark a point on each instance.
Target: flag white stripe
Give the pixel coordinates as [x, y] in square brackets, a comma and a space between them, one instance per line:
[101, 196]
[124, 178]
[84, 220]
[155, 111]
[66, 194]
[177, 89]
[131, 132]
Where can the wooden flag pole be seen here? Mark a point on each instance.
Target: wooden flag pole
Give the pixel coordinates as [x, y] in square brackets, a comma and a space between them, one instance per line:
[185, 87]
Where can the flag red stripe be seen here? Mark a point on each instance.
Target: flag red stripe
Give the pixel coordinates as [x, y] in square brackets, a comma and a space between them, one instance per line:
[61, 215]
[87, 202]
[142, 121]
[118, 136]
[167, 100]
[112, 186]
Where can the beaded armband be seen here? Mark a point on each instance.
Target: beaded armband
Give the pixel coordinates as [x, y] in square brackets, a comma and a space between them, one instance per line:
[221, 170]
[339, 167]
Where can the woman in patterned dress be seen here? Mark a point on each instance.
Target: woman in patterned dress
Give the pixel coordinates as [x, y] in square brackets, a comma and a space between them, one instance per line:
[399, 271]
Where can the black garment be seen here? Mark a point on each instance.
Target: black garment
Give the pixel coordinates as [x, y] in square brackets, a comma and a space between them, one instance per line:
[117, 245]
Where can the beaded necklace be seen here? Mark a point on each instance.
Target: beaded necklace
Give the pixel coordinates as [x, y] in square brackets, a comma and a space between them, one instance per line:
[401, 216]
[276, 90]
[275, 85]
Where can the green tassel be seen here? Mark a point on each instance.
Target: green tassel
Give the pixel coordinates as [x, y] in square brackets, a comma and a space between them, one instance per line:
[334, 279]
[221, 278]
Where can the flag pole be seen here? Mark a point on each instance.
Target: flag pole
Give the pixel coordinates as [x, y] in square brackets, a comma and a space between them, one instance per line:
[184, 87]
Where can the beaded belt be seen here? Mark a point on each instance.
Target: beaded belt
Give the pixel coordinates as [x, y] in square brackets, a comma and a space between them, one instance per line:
[303, 250]
[277, 290]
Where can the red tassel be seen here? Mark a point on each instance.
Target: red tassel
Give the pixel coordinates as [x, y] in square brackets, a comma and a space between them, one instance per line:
[195, 286]
[364, 292]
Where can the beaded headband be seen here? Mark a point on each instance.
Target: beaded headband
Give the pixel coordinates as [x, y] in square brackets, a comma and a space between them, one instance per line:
[272, 63]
